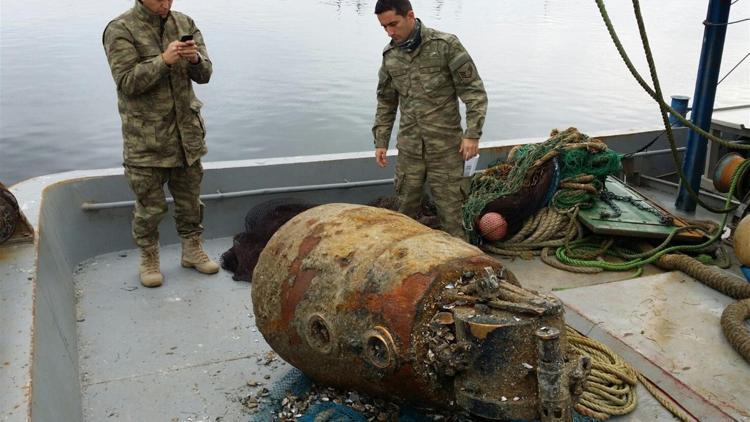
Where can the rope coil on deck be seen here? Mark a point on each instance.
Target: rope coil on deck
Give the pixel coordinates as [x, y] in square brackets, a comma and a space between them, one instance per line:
[733, 325]
[610, 388]
[547, 228]
[723, 282]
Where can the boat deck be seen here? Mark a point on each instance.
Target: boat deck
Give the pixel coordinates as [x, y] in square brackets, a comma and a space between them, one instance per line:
[665, 324]
[189, 350]
[183, 352]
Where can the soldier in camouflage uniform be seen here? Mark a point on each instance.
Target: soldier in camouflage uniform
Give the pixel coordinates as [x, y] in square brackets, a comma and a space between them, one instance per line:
[162, 128]
[425, 71]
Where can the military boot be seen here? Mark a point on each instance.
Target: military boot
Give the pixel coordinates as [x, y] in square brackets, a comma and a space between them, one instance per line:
[193, 256]
[149, 269]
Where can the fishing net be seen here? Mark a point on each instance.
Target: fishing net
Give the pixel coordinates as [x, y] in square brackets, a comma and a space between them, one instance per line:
[261, 222]
[568, 170]
[296, 397]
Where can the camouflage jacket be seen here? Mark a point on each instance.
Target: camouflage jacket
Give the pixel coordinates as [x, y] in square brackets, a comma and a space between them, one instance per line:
[426, 83]
[161, 120]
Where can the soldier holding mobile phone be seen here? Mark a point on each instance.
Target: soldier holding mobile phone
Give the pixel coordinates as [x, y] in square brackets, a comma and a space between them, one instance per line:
[155, 55]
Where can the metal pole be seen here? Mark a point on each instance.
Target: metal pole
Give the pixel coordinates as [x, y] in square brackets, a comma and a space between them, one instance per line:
[680, 105]
[91, 206]
[703, 98]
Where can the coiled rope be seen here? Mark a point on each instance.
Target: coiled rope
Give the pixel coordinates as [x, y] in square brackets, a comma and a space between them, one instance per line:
[581, 160]
[610, 389]
[733, 325]
[548, 228]
[723, 282]
[566, 254]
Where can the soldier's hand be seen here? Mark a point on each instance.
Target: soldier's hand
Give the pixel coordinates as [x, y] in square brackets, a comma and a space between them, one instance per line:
[172, 54]
[380, 157]
[188, 50]
[469, 148]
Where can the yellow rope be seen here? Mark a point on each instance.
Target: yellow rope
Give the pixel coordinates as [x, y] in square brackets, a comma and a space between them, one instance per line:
[548, 227]
[610, 387]
[664, 400]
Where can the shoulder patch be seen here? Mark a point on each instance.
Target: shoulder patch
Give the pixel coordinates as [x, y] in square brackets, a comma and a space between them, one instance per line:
[467, 72]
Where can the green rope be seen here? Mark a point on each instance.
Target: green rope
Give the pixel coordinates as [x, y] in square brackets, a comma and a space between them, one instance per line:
[663, 107]
[644, 85]
[639, 260]
[704, 259]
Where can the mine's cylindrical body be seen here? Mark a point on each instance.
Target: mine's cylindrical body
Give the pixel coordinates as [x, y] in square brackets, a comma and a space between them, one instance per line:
[340, 290]
[368, 299]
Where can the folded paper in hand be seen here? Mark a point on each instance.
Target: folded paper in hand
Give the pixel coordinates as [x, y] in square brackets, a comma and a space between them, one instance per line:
[470, 166]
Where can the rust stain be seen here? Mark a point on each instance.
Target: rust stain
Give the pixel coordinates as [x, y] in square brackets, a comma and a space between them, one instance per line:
[309, 243]
[396, 306]
[293, 294]
[294, 338]
[483, 260]
[481, 331]
[406, 382]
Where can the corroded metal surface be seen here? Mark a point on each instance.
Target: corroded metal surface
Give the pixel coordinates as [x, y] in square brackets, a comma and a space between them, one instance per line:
[368, 299]
[560, 380]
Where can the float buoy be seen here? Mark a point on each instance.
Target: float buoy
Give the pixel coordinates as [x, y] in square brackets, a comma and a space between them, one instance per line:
[492, 226]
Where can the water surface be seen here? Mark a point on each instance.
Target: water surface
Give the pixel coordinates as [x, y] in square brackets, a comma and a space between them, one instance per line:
[297, 77]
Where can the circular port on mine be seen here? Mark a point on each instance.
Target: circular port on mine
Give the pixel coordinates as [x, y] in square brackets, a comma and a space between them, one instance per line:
[380, 350]
[319, 334]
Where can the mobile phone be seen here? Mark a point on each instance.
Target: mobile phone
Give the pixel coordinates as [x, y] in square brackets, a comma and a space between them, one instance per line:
[186, 38]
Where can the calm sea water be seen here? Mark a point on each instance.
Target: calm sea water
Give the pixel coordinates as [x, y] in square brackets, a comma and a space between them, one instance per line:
[297, 77]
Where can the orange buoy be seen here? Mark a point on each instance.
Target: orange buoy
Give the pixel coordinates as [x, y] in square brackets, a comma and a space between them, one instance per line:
[492, 226]
[725, 169]
[742, 241]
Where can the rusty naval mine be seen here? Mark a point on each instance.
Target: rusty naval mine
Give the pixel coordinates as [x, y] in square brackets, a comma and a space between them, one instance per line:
[365, 298]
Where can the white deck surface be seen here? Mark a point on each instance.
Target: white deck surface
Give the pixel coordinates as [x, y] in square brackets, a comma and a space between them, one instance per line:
[185, 351]
[672, 323]
[16, 304]
[182, 352]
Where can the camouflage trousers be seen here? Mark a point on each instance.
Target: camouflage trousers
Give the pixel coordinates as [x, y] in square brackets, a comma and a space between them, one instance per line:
[448, 187]
[148, 183]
